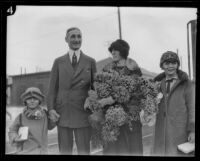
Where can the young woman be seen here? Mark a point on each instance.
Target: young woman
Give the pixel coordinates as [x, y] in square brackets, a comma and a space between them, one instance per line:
[175, 122]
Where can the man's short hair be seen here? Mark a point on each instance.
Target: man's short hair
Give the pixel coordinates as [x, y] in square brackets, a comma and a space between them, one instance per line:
[72, 28]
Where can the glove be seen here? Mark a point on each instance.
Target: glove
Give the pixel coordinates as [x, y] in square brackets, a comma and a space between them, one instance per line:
[87, 104]
[147, 120]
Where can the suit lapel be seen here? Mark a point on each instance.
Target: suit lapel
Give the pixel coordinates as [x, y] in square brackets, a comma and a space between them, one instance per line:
[68, 65]
[81, 64]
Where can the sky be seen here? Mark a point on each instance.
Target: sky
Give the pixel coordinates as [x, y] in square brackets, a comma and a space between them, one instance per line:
[36, 34]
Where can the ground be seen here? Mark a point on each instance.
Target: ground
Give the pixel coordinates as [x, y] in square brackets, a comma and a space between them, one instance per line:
[52, 137]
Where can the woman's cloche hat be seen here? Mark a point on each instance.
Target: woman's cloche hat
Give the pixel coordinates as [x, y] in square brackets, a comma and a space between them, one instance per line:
[169, 55]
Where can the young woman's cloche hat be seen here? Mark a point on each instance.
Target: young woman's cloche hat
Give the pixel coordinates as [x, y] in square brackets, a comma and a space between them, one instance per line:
[167, 56]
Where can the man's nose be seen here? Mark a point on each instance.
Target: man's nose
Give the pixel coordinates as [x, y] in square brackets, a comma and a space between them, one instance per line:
[76, 38]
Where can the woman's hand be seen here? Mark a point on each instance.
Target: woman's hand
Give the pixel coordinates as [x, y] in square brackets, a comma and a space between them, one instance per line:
[87, 104]
[147, 120]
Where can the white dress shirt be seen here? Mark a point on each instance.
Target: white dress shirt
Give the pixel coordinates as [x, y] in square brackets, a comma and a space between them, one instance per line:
[71, 53]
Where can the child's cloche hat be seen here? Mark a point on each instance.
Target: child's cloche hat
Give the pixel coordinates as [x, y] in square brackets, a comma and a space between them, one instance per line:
[32, 92]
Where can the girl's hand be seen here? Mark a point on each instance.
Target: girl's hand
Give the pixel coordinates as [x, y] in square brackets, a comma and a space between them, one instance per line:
[17, 139]
[53, 115]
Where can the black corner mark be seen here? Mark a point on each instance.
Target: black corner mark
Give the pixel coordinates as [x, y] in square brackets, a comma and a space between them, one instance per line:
[11, 10]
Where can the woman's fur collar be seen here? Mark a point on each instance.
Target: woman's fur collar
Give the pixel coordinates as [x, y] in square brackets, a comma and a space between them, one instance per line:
[181, 75]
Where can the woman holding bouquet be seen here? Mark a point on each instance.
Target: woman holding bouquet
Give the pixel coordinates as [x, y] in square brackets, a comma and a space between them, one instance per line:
[129, 141]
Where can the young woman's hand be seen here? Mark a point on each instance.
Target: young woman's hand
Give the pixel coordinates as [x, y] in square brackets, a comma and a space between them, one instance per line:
[191, 137]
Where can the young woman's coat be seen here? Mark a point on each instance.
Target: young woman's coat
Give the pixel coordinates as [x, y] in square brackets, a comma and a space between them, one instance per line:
[176, 116]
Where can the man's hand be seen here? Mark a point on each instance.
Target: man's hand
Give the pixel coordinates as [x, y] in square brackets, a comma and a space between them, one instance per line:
[191, 137]
[53, 115]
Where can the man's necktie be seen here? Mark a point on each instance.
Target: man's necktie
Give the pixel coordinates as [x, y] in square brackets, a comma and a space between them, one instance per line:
[74, 60]
[168, 85]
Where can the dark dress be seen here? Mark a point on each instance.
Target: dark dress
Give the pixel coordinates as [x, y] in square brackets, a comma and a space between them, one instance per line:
[128, 142]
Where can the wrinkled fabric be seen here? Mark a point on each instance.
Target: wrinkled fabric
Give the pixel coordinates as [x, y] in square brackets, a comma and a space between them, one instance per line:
[176, 116]
[37, 137]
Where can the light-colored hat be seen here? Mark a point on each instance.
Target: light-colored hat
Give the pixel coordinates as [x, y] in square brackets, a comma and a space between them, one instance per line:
[32, 92]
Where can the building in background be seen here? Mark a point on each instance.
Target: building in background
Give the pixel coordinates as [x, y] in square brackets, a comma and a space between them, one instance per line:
[21, 82]
[17, 84]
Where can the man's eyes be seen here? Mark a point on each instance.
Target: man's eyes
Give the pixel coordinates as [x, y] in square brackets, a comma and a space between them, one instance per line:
[74, 36]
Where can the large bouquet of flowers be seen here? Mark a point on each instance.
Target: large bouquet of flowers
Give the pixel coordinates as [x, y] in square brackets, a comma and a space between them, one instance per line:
[110, 103]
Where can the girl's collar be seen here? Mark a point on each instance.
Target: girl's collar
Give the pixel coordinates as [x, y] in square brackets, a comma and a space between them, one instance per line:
[34, 114]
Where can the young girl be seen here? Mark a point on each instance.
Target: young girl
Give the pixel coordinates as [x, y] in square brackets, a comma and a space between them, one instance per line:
[35, 118]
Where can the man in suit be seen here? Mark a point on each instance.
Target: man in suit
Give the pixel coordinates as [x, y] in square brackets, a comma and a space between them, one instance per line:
[71, 78]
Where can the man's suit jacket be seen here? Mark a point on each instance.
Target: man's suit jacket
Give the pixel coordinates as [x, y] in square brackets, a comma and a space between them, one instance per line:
[68, 90]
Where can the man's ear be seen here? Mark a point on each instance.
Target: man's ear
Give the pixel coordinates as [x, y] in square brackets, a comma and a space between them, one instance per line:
[66, 39]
